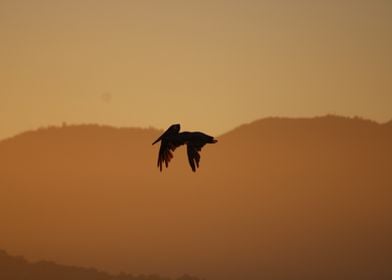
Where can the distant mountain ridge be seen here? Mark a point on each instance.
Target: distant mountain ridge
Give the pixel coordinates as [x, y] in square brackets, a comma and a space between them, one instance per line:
[278, 198]
[328, 118]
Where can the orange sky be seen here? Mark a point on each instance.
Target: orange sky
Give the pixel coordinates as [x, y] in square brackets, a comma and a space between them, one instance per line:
[210, 65]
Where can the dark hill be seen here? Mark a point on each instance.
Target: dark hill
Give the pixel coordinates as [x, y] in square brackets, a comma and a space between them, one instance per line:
[17, 268]
[274, 199]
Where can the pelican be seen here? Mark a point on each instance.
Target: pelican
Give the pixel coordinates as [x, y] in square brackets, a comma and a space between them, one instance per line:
[172, 138]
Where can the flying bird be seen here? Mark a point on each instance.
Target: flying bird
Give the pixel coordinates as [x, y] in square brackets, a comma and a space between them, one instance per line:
[172, 138]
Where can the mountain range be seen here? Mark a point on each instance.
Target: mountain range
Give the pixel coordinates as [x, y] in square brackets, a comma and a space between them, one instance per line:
[278, 198]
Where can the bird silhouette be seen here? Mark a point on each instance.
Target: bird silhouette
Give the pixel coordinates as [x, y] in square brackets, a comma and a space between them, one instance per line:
[172, 138]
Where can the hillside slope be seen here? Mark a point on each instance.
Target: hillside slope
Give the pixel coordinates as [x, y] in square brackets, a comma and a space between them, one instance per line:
[274, 199]
[17, 268]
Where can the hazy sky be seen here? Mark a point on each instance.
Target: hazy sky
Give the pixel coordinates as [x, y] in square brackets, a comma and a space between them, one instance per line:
[210, 65]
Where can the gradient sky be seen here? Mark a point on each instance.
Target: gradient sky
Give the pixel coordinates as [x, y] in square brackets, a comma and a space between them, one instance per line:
[210, 65]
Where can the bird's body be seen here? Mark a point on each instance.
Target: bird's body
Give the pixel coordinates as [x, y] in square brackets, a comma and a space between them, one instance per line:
[173, 138]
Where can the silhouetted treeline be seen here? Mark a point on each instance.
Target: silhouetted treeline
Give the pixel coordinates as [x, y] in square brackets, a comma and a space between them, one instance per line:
[18, 268]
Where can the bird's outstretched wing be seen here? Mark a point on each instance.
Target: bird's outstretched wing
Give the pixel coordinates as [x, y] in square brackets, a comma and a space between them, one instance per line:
[193, 155]
[166, 151]
[196, 141]
[169, 142]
